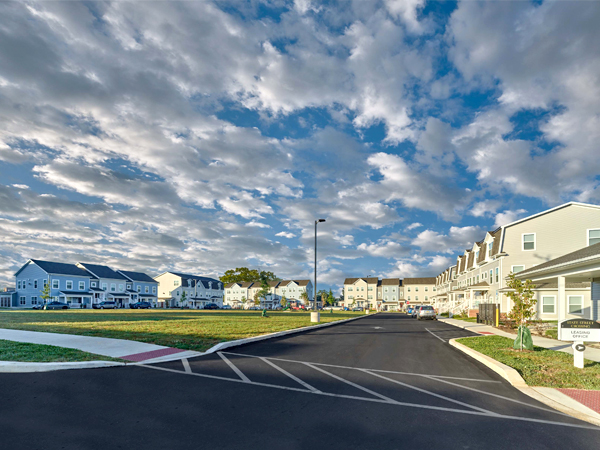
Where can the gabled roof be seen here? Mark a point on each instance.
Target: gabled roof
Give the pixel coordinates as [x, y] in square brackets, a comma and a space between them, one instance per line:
[137, 276]
[56, 268]
[242, 284]
[101, 271]
[196, 279]
[368, 280]
[581, 255]
[471, 259]
[391, 282]
[427, 280]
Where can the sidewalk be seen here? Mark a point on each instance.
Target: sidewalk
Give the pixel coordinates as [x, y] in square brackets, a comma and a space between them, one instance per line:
[592, 354]
[115, 348]
[571, 399]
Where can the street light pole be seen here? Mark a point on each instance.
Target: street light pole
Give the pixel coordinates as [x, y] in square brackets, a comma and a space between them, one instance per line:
[315, 315]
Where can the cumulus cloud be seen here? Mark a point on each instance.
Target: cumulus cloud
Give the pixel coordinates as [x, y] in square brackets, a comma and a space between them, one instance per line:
[457, 238]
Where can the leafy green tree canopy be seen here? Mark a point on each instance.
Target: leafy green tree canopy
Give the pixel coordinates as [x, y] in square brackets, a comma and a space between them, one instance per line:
[241, 274]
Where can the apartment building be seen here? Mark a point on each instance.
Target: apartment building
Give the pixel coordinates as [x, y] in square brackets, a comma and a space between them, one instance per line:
[384, 295]
[241, 294]
[480, 272]
[79, 285]
[419, 291]
[199, 290]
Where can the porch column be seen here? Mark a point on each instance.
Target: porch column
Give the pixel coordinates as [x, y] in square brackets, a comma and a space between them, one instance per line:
[595, 296]
[561, 303]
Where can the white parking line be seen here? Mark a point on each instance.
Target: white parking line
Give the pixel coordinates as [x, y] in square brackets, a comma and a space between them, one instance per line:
[357, 386]
[427, 329]
[234, 368]
[425, 391]
[186, 365]
[499, 396]
[293, 377]
[373, 370]
[377, 400]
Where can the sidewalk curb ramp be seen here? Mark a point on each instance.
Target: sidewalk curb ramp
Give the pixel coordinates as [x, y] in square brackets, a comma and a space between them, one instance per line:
[25, 367]
[549, 396]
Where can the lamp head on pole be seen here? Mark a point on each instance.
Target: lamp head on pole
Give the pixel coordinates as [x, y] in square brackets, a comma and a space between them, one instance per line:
[320, 220]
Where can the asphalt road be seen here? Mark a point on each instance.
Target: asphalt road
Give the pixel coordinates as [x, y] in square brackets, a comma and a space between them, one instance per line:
[381, 382]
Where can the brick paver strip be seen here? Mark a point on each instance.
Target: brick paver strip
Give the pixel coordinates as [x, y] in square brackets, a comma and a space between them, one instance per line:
[591, 399]
[484, 332]
[153, 354]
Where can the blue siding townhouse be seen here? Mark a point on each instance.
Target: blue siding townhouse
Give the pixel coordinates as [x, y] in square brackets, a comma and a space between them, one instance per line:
[141, 287]
[68, 283]
[107, 285]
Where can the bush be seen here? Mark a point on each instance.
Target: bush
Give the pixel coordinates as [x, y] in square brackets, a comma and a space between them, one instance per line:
[552, 333]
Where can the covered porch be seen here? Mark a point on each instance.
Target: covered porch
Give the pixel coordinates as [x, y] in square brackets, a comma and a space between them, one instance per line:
[76, 299]
[581, 266]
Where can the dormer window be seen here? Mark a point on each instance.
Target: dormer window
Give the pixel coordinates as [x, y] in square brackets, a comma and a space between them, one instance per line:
[490, 246]
[94, 284]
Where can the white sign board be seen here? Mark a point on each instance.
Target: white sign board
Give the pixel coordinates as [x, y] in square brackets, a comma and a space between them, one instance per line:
[583, 330]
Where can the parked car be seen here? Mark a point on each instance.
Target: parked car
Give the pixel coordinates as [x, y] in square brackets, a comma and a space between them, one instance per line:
[56, 305]
[140, 305]
[37, 307]
[415, 312]
[409, 310]
[105, 305]
[226, 307]
[357, 308]
[299, 307]
[211, 306]
[426, 312]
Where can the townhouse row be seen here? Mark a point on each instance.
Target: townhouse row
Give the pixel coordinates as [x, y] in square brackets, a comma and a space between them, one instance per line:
[480, 272]
[239, 295]
[82, 285]
[388, 294]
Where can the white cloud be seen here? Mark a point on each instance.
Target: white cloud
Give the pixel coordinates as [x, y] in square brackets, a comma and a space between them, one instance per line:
[508, 216]
[286, 234]
[254, 223]
[457, 238]
[414, 225]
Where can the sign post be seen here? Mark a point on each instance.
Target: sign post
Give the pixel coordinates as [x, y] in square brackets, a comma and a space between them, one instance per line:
[579, 331]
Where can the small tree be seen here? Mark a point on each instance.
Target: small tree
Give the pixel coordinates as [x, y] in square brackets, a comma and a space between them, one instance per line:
[304, 297]
[330, 298]
[522, 296]
[257, 298]
[243, 301]
[183, 298]
[46, 295]
[283, 301]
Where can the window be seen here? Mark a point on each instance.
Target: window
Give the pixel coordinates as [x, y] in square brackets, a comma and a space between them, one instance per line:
[408, 289]
[45, 283]
[490, 245]
[21, 300]
[35, 285]
[54, 284]
[128, 286]
[370, 288]
[476, 256]
[575, 304]
[528, 241]
[69, 285]
[139, 289]
[477, 278]
[18, 284]
[34, 300]
[362, 288]
[408, 298]
[176, 283]
[433, 289]
[82, 285]
[417, 289]
[370, 297]
[491, 276]
[113, 287]
[350, 289]
[386, 289]
[94, 284]
[416, 298]
[120, 287]
[517, 269]
[548, 304]
[386, 298]
[426, 298]
[147, 289]
[497, 274]
[593, 237]
[154, 289]
[425, 288]
[104, 286]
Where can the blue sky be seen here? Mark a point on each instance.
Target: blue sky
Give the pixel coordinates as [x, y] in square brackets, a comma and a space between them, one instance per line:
[202, 136]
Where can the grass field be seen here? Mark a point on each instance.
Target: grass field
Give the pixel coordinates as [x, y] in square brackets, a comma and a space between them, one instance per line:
[186, 329]
[20, 351]
[540, 367]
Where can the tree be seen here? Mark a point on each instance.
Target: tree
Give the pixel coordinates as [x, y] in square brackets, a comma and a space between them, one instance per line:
[323, 296]
[330, 298]
[257, 298]
[522, 296]
[283, 301]
[243, 302]
[46, 294]
[183, 298]
[241, 274]
[304, 297]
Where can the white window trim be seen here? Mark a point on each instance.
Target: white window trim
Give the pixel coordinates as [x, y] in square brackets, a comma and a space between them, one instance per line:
[542, 303]
[79, 286]
[588, 234]
[512, 268]
[57, 282]
[523, 242]
[569, 297]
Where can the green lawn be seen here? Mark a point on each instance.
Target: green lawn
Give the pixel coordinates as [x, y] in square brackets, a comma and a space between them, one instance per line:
[466, 319]
[186, 329]
[541, 367]
[20, 351]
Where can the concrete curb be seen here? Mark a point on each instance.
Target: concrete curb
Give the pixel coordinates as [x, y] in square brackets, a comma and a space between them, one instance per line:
[23, 367]
[26, 367]
[548, 396]
[508, 373]
[228, 344]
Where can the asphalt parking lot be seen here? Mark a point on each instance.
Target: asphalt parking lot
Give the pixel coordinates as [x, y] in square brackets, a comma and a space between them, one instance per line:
[381, 382]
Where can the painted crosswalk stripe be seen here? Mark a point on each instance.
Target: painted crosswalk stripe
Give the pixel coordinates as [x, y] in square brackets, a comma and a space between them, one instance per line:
[293, 377]
[234, 368]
